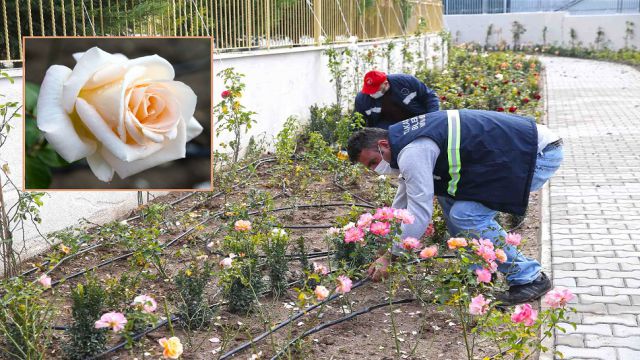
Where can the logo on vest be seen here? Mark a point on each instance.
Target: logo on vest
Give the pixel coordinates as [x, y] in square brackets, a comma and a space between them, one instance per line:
[413, 124]
[405, 91]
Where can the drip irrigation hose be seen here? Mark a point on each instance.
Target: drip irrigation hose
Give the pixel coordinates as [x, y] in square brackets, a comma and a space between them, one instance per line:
[338, 321]
[341, 187]
[284, 323]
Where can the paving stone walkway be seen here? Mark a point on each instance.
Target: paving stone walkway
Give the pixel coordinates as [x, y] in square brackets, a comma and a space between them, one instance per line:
[595, 204]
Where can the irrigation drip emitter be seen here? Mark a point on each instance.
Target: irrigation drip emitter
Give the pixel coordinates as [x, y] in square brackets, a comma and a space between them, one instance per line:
[325, 325]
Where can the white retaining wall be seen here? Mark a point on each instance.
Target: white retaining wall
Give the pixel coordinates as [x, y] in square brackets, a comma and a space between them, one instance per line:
[283, 83]
[473, 28]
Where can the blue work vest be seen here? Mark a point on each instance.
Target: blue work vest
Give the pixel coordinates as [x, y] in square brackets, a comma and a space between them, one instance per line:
[485, 156]
[407, 91]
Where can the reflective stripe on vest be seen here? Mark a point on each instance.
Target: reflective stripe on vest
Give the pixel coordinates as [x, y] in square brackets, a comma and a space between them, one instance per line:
[453, 150]
[373, 110]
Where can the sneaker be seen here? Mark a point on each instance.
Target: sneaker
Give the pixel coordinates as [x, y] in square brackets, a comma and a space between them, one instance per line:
[520, 294]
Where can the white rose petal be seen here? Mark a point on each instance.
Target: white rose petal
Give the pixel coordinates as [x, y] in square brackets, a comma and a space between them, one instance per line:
[124, 116]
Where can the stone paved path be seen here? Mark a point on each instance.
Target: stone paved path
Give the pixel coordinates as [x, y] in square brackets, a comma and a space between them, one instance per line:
[595, 204]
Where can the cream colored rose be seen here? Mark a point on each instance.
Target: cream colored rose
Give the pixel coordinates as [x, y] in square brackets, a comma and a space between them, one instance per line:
[123, 115]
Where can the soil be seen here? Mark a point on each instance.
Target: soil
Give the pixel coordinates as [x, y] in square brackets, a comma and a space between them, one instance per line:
[424, 331]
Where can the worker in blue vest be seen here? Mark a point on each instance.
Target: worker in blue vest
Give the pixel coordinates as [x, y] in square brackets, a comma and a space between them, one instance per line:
[387, 99]
[476, 163]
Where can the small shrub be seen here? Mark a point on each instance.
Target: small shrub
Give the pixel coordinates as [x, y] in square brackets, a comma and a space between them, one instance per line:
[275, 248]
[193, 306]
[88, 305]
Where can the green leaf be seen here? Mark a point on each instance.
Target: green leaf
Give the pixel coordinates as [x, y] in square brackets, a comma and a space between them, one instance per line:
[32, 133]
[38, 175]
[31, 92]
[50, 157]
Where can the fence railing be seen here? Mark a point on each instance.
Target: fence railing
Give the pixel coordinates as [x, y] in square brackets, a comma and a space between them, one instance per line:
[234, 24]
[462, 7]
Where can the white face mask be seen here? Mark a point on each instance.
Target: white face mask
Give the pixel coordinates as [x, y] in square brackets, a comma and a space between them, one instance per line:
[377, 95]
[383, 167]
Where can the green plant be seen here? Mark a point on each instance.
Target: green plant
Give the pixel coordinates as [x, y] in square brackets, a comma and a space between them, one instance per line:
[286, 141]
[629, 33]
[544, 35]
[488, 36]
[600, 41]
[517, 29]
[275, 249]
[191, 301]
[119, 291]
[347, 125]
[338, 64]
[24, 320]
[388, 52]
[87, 307]
[573, 34]
[230, 112]
[324, 120]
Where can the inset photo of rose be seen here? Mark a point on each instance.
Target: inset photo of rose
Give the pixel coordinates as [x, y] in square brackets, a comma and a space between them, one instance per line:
[117, 113]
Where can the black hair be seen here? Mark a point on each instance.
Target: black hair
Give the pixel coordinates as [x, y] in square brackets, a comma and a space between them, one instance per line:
[366, 138]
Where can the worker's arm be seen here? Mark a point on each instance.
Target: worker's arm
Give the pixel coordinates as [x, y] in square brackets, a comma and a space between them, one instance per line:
[416, 161]
[427, 96]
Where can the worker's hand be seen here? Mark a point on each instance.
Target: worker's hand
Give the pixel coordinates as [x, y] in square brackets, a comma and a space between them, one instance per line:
[378, 270]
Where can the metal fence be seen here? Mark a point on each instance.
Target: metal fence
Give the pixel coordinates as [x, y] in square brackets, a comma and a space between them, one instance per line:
[234, 24]
[461, 7]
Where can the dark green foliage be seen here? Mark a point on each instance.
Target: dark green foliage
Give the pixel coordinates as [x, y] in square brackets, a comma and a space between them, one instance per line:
[275, 249]
[88, 305]
[191, 301]
[241, 291]
[324, 120]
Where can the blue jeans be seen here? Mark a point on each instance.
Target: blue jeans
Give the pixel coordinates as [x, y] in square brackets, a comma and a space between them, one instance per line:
[470, 218]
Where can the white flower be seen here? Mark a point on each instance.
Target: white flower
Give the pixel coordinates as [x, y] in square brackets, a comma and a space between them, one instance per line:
[499, 76]
[348, 226]
[123, 115]
[278, 232]
[382, 178]
[332, 231]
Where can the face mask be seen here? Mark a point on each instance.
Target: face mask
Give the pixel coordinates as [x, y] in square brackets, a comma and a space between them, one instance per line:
[383, 167]
[377, 95]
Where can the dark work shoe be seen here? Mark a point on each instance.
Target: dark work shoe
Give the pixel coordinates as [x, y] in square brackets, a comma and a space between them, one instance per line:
[519, 294]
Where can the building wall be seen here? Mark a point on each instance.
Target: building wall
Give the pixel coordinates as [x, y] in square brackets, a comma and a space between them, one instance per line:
[473, 28]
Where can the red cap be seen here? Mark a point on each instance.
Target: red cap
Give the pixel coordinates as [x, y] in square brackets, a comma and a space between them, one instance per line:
[372, 81]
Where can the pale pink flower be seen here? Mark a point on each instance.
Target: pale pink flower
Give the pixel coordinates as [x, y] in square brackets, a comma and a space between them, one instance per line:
[380, 228]
[349, 226]
[227, 262]
[513, 239]
[493, 266]
[524, 314]
[242, 225]
[365, 220]
[320, 269]
[410, 243]
[429, 252]
[114, 320]
[483, 275]
[558, 297]
[353, 235]
[333, 231]
[455, 243]
[404, 215]
[384, 213]
[321, 292]
[344, 284]
[501, 255]
[45, 281]
[479, 305]
[147, 303]
[486, 253]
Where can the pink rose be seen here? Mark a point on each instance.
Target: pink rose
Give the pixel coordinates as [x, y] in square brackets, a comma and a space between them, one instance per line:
[320, 269]
[225, 94]
[344, 284]
[513, 239]
[483, 275]
[147, 303]
[410, 243]
[242, 225]
[525, 314]
[384, 213]
[479, 305]
[455, 243]
[365, 220]
[45, 281]
[404, 215]
[558, 297]
[114, 320]
[429, 252]
[352, 235]
[501, 256]
[380, 228]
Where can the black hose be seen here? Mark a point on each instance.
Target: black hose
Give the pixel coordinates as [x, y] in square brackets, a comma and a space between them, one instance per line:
[338, 321]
